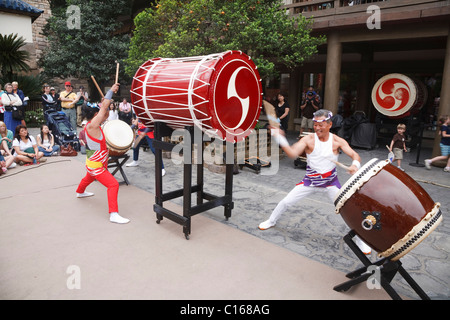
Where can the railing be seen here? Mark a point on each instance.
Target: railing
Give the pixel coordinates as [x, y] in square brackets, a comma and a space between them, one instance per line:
[327, 7]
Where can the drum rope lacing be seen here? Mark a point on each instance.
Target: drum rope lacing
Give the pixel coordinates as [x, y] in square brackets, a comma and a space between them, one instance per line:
[194, 78]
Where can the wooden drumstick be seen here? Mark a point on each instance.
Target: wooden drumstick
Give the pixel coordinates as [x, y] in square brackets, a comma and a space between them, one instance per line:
[117, 72]
[343, 166]
[271, 114]
[98, 88]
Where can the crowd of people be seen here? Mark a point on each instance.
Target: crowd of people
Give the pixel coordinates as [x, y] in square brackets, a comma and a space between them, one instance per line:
[18, 147]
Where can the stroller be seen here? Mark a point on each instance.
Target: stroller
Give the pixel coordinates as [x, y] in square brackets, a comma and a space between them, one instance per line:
[61, 129]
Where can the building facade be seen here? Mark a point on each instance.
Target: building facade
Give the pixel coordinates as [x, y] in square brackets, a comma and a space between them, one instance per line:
[369, 39]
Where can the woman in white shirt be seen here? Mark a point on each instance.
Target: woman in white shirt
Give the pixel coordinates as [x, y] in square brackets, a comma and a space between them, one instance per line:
[25, 147]
[113, 114]
[46, 142]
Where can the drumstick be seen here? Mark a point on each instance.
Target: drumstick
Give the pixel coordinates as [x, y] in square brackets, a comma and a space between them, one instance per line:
[271, 115]
[117, 73]
[343, 166]
[98, 88]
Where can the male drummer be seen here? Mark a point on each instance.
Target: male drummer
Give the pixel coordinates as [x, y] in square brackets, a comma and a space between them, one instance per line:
[97, 155]
[322, 150]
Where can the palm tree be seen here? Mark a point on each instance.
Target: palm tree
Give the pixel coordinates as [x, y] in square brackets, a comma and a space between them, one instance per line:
[12, 58]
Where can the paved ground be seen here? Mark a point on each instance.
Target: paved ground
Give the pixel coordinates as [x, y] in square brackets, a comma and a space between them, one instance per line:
[312, 229]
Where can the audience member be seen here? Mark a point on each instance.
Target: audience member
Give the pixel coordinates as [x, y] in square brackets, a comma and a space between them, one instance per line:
[10, 100]
[68, 100]
[47, 100]
[83, 98]
[125, 111]
[113, 113]
[25, 147]
[46, 142]
[143, 132]
[6, 137]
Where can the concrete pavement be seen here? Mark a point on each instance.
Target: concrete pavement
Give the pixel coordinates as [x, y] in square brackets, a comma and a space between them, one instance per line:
[303, 257]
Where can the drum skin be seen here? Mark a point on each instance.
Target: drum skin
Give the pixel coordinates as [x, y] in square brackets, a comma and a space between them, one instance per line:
[399, 205]
[395, 95]
[219, 93]
[119, 137]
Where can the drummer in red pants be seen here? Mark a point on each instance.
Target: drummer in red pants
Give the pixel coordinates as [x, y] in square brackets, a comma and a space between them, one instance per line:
[97, 155]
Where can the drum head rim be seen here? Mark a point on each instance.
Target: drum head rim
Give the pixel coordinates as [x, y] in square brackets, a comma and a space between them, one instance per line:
[417, 234]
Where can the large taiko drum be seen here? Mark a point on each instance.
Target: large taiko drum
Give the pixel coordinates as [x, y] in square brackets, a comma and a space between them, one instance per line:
[396, 95]
[119, 137]
[219, 93]
[387, 209]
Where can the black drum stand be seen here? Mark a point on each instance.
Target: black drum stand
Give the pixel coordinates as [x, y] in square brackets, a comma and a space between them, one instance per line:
[161, 130]
[382, 271]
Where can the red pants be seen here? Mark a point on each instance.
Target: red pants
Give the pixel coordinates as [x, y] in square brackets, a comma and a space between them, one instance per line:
[106, 179]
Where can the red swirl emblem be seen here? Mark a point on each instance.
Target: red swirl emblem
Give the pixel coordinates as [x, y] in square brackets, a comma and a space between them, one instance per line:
[236, 97]
[394, 94]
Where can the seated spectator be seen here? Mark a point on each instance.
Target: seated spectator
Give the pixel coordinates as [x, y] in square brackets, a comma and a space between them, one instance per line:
[25, 147]
[125, 111]
[6, 162]
[6, 137]
[46, 142]
[143, 132]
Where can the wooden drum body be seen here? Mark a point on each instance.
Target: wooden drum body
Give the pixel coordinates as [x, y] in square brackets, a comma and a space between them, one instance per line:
[219, 93]
[119, 137]
[387, 209]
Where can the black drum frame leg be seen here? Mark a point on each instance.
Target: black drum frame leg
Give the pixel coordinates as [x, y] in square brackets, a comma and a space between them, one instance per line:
[189, 210]
[387, 270]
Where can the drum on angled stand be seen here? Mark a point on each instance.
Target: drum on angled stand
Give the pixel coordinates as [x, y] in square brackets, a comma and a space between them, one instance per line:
[387, 209]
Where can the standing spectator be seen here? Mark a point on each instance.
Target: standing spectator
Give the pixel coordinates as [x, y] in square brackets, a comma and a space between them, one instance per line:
[113, 114]
[68, 100]
[22, 97]
[83, 98]
[282, 110]
[10, 100]
[398, 145]
[310, 104]
[125, 111]
[55, 97]
[47, 101]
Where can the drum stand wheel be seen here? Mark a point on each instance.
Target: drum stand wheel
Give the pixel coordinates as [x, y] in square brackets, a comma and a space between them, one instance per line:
[383, 271]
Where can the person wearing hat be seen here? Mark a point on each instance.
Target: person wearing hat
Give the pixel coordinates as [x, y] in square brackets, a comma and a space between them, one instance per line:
[68, 100]
[55, 97]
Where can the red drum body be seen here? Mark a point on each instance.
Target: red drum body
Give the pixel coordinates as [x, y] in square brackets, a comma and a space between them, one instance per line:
[219, 93]
[396, 95]
[387, 209]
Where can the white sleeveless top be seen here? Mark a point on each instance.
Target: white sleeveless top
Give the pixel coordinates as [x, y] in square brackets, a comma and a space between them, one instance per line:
[319, 159]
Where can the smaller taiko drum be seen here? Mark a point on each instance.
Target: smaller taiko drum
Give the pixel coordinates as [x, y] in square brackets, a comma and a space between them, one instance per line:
[119, 137]
[387, 209]
[396, 95]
